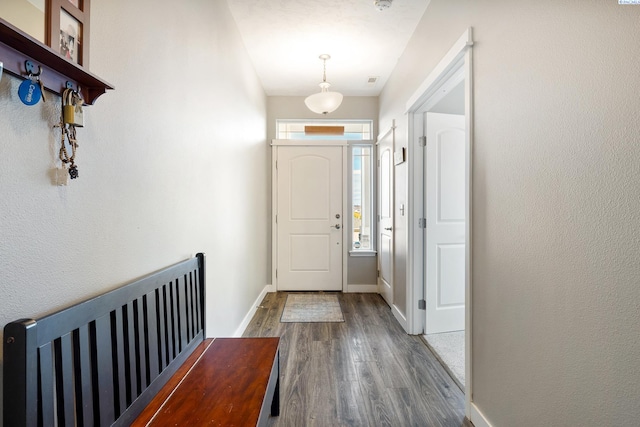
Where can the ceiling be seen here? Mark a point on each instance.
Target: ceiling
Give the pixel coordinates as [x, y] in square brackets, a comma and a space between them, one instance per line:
[285, 37]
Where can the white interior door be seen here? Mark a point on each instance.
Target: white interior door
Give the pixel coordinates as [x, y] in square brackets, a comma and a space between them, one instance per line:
[309, 218]
[385, 212]
[445, 214]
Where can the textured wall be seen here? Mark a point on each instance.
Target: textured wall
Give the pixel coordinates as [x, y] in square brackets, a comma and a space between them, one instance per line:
[171, 163]
[556, 225]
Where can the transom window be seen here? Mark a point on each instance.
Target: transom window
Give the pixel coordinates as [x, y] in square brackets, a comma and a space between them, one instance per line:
[353, 130]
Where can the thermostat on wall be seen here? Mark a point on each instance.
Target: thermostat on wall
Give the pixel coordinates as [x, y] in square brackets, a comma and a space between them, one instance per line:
[399, 156]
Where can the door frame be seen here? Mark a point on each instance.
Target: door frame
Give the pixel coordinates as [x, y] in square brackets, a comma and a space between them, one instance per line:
[275, 143]
[457, 63]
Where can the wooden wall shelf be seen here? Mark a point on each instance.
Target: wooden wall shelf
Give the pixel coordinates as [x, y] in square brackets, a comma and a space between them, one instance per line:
[16, 47]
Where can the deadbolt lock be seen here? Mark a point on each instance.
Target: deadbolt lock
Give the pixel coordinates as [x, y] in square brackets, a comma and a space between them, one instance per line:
[338, 216]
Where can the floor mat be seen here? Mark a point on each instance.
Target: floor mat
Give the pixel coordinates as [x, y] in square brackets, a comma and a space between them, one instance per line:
[306, 308]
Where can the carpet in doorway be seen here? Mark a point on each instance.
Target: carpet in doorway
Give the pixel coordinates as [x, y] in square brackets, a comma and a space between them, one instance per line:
[309, 308]
[449, 347]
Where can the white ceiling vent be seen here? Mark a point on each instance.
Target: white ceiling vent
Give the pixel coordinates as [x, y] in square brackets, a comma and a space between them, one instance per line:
[372, 80]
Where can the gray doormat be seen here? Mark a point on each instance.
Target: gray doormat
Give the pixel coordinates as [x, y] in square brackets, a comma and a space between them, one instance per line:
[306, 308]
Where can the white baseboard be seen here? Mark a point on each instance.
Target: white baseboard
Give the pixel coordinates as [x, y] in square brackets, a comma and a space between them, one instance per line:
[252, 311]
[399, 317]
[366, 289]
[477, 417]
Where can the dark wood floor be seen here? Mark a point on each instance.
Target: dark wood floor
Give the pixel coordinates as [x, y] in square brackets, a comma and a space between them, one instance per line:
[365, 371]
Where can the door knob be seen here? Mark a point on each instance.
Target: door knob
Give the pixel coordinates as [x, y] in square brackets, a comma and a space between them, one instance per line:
[388, 228]
[337, 226]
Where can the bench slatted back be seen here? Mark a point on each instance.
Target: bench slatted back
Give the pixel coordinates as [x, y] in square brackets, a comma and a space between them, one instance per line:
[100, 362]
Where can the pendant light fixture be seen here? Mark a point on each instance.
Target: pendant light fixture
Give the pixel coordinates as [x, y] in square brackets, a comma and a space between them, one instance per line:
[324, 102]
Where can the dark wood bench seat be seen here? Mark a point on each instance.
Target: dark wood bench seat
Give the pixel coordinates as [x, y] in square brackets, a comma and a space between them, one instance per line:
[137, 354]
[225, 382]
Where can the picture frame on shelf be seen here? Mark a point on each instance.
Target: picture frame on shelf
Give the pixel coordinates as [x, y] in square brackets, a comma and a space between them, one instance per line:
[70, 36]
[68, 30]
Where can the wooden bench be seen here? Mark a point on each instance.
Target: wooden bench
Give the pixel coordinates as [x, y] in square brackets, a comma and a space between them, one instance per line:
[138, 355]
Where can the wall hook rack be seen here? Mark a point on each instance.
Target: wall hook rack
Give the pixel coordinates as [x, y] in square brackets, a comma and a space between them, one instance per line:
[16, 48]
[31, 69]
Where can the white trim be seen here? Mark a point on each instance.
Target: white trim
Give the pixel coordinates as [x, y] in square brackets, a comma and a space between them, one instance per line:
[345, 202]
[373, 208]
[383, 135]
[309, 142]
[326, 122]
[453, 76]
[274, 209]
[468, 107]
[477, 417]
[399, 316]
[454, 67]
[445, 75]
[363, 253]
[439, 72]
[247, 319]
[415, 210]
[362, 289]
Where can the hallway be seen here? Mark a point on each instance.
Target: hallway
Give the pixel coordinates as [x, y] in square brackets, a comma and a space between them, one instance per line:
[365, 371]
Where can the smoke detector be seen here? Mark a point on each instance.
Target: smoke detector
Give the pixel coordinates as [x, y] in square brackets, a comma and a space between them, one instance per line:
[382, 4]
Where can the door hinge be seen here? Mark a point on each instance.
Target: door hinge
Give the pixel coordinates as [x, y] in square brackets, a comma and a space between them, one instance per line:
[378, 162]
[276, 218]
[422, 223]
[276, 164]
[276, 273]
[378, 273]
[378, 218]
[422, 141]
[422, 305]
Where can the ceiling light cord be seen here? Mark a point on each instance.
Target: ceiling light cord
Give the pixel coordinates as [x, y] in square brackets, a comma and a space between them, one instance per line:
[324, 74]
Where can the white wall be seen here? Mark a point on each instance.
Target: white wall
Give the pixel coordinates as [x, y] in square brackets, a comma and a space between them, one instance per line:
[556, 226]
[171, 163]
[360, 270]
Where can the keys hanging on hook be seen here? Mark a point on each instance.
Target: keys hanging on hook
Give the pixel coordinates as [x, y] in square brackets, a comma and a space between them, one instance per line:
[72, 113]
[30, 92]
[44, 98]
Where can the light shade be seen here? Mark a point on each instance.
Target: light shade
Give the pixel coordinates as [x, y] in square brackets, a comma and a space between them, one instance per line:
[324, 102]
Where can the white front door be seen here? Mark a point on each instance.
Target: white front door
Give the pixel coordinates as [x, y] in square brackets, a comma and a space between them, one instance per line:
[309, 218]
[445, 214]
[385, 212]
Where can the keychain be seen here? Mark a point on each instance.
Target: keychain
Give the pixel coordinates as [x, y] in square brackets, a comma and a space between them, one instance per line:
[72, 108]
[64, 155]
[31, 90]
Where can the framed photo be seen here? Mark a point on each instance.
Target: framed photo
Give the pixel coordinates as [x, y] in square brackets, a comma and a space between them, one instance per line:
[68, 30]
[70, 36]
